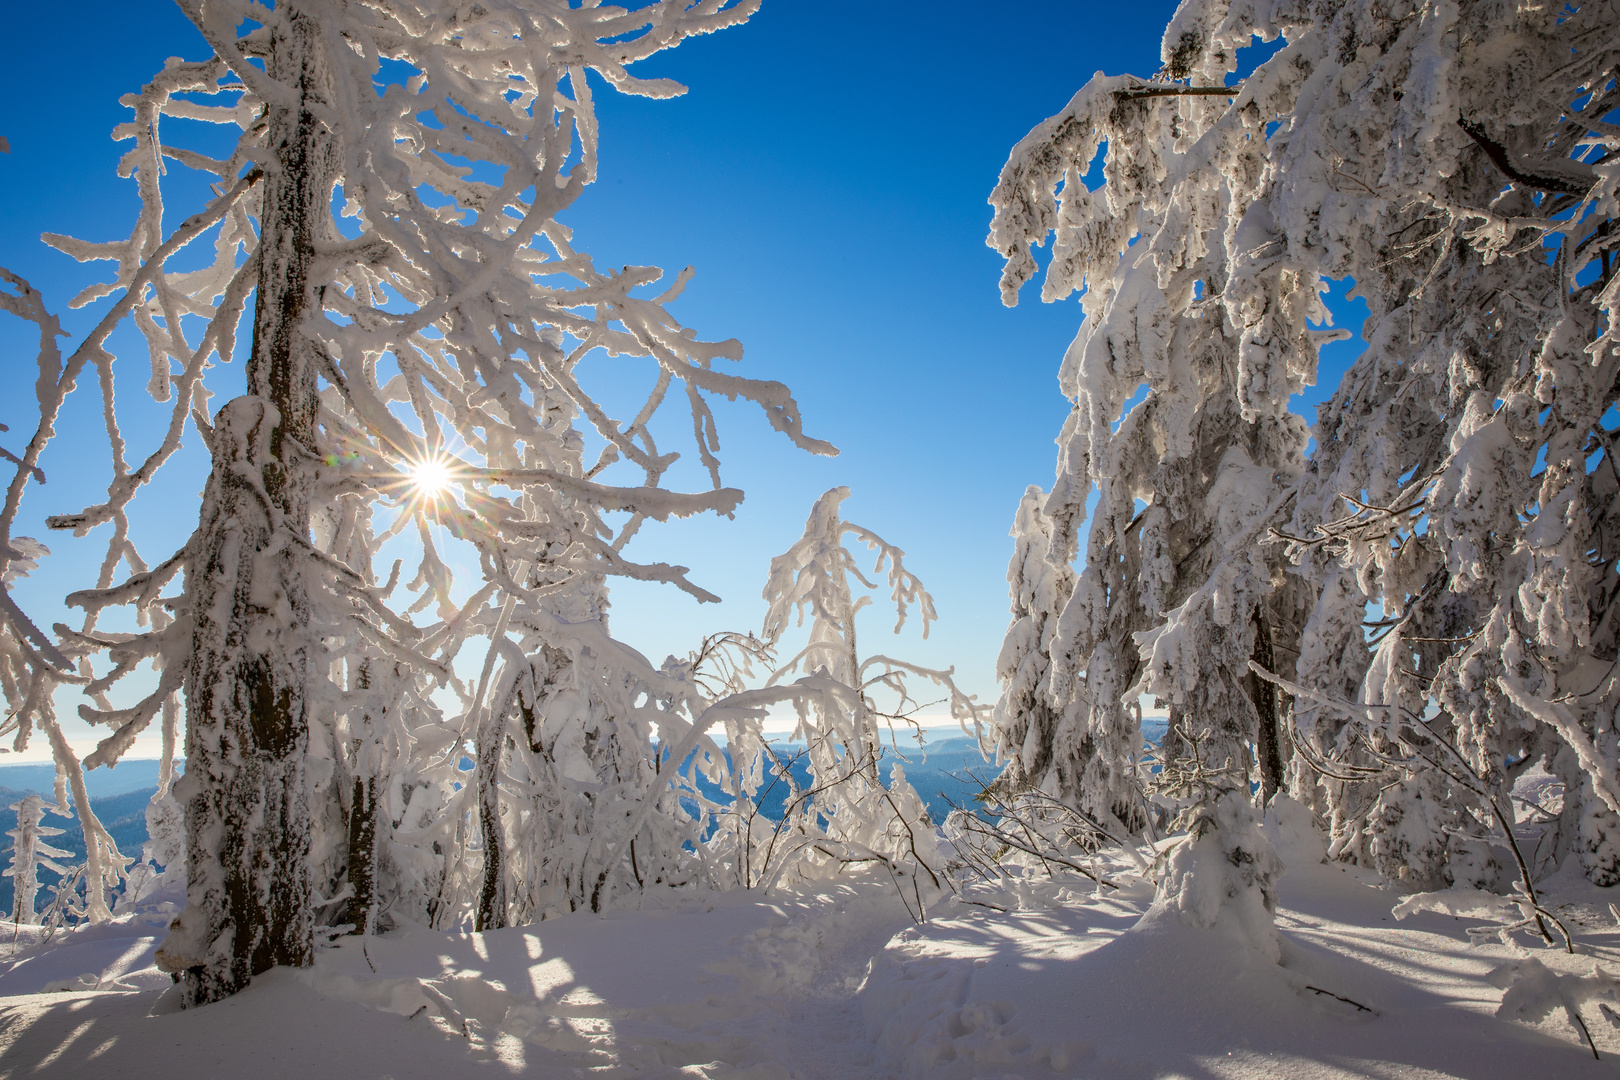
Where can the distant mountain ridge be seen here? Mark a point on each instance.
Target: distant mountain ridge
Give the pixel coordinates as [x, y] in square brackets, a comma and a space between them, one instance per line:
[40, 778]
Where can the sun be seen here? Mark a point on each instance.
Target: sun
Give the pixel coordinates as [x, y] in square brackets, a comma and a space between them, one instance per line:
[431, 478]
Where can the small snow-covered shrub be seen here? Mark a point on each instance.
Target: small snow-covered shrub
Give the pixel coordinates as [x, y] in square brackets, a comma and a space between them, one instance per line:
[1597, 839]
[1405, 834]
[1223, 874]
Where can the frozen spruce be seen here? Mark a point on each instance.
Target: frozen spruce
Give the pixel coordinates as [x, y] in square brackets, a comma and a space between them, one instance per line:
[1222, 877]
[31, 852]
[1041, 743]
[846, 704]
[383, 218]
[1395, 622]
[1179, 379]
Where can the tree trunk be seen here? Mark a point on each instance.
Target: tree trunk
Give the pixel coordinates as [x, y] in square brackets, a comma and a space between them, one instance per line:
[363, 856]
[1268, 740]
[362, 859]
[490, 757]
[247, 810]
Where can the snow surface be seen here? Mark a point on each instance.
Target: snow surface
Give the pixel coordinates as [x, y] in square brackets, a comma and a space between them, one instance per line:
[833, 983]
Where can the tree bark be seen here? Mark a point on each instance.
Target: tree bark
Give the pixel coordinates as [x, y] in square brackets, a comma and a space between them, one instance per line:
[490, 758]
[362, 861]
[1268, 740]
[363, 856]
[246, 806]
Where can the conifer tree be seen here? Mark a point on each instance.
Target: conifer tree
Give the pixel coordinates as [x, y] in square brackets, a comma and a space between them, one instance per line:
[847, 812]
[386, 217]
[1036, 739]
[1434, 583]
[1177, 595]
[31, 851]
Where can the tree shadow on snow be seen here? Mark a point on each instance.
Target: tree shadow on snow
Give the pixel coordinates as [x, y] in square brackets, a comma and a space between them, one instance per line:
[1067, 992]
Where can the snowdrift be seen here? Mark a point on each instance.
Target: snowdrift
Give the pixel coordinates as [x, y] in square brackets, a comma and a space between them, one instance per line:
[833, 983]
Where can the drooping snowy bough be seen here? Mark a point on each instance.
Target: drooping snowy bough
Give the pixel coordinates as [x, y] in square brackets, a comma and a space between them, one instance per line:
[1406, 615]
[1185, 482]
[385, 211]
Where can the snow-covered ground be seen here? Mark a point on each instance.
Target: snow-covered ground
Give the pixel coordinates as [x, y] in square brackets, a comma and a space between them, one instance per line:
[837, 982]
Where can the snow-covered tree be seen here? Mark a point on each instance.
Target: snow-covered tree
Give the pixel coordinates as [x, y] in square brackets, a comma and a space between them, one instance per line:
[580, 816]
[1035, 737]
[1445, 160]
[1446, 607]
[1176, 595]
[385, 212]
[845, 703]
[31, 852]
[1463, 466]
[586, 736]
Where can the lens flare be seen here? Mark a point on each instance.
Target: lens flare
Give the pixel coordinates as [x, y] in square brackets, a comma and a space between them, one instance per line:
[432, 478]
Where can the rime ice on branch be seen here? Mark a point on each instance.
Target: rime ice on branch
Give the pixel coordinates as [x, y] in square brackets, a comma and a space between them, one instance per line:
[387, 217]
[31, 852]
[1424, 607]
[846, 813]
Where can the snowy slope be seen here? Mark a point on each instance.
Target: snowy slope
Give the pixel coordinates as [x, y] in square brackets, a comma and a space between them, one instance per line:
[833, 984]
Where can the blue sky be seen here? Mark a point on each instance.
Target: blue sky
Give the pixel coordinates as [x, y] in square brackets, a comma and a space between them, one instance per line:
[826, 176]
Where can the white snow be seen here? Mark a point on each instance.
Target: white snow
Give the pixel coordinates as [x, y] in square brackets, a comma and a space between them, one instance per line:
[836, 982]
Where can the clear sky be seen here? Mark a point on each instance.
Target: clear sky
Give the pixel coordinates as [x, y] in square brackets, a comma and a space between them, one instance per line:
[826, 176]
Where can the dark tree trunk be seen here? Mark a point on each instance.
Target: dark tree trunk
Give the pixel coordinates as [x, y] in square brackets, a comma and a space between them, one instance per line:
[490, 752]
[362, 860]
[247, 810]
[363, 856]
[1268, 738]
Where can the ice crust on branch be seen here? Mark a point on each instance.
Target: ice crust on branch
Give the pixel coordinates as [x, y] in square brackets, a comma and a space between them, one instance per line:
[1435, 574]
[386, 214]
[31, 851]
[846, 812]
